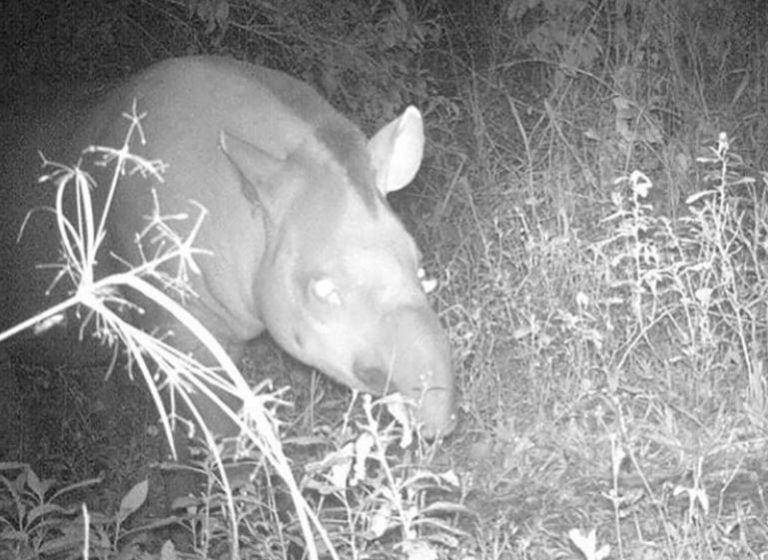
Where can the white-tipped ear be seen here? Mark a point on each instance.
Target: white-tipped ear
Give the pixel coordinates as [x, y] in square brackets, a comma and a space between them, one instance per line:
[396, 151]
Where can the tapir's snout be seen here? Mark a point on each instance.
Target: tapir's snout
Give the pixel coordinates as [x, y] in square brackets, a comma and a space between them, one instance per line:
[417, 363]
[435, 405]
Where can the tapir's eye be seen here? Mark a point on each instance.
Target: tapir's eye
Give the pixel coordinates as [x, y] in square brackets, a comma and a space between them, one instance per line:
[325, 290]
[427, 284]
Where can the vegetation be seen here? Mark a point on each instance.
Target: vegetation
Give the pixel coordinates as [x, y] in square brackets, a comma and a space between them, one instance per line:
[593, 204]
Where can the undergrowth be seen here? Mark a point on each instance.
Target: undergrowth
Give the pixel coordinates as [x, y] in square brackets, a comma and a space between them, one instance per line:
[647, 400]
[627, 408]
[601, 250]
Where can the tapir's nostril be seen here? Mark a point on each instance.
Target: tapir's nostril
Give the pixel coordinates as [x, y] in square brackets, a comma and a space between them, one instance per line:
[298, 340]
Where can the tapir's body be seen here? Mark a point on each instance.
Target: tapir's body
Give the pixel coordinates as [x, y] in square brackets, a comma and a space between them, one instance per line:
[302, 242]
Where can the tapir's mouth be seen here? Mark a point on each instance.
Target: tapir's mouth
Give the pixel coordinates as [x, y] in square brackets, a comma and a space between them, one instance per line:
[453, 421]
[375, 380]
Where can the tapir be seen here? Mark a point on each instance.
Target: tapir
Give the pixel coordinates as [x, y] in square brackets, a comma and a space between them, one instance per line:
[299, 239]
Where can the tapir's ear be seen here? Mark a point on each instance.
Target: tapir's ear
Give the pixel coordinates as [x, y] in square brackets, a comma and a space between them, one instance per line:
[396, 151]
[256, 167]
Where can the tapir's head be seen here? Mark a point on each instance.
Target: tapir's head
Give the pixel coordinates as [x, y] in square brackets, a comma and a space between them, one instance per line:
[340, 281]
